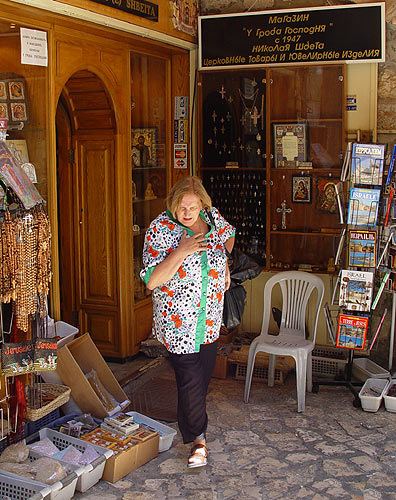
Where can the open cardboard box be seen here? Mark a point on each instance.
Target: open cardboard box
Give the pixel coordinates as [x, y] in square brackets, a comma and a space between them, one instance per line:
[79, 357]
[118, 466]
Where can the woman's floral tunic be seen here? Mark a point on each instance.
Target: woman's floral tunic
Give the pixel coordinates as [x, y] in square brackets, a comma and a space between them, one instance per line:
[187, 309]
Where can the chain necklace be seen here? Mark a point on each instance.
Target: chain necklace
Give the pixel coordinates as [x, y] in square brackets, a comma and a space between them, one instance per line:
[248, 112]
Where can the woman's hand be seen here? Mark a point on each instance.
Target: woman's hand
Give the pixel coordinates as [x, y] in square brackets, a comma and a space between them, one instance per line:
[227, 278]
[188, 246]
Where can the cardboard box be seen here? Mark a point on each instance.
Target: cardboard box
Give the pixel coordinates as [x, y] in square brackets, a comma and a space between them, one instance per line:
[79, 357]
[220, 369]
[118, 466]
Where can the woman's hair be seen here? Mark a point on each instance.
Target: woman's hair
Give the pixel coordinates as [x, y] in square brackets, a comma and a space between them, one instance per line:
[187, 185]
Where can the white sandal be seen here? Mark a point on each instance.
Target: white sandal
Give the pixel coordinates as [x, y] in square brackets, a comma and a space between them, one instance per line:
[198, 456]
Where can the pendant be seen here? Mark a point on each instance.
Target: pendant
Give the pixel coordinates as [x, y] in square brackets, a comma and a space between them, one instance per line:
[210, 141]
[258, 137]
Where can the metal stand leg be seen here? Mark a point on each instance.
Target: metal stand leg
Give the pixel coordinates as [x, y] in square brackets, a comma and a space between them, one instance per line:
[347, 382]
[392, 332]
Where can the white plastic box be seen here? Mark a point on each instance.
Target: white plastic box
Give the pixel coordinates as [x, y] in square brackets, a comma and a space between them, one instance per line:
[166, 433]
[364, 368]
[64, 330]
[60, 490]
[373, 402]
[22, 488]
[93, 472]
[390, 401]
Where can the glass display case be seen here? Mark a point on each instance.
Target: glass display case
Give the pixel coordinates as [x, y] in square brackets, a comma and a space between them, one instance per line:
[148, 150]
[271, 149]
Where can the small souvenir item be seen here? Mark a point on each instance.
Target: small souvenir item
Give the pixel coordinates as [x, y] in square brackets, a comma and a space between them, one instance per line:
[149, 193]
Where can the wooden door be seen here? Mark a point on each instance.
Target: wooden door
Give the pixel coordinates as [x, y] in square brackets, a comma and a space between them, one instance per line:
[95, 251]
[87, 200]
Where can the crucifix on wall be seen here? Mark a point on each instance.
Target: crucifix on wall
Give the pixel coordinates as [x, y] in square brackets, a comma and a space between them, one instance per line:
[283, 209]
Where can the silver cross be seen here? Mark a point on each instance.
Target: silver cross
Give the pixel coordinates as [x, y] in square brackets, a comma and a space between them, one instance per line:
[284, 210]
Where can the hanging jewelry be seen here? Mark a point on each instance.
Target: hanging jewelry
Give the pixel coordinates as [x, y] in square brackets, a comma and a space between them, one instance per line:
[222, 92]
[214, 116]
[230, 99]
[258, 136]
[228, 116]
[247, 115]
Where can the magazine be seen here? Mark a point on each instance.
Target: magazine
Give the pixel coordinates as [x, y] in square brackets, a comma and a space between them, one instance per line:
[352, 331]
[362, 248]
[356, 290]
[363, 206]
[367, 165]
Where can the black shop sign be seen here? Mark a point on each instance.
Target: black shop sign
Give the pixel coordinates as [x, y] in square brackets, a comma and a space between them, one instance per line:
[345, 33]
[141, 8]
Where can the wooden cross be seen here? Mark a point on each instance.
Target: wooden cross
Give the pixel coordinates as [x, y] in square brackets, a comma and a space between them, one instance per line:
[222, 92]
[214, 116]
[284, 210]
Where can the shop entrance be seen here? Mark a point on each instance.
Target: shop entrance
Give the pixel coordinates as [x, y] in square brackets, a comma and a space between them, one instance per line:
[86, 129]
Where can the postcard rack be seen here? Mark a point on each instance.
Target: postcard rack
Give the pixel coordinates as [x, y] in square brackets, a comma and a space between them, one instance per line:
[364, 257]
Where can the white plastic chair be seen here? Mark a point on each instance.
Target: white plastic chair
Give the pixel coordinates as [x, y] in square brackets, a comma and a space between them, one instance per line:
[296, 287]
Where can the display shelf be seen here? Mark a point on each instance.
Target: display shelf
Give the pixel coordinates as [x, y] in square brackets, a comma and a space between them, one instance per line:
[241, 135]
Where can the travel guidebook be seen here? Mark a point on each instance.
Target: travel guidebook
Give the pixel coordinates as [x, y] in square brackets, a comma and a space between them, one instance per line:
[356, 290]
[363, 206]
[352, 331]
[362, 248]
[367, 164]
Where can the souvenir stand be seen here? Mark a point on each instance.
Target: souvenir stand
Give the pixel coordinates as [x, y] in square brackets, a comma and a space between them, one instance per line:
[364, 255]
[25, 244]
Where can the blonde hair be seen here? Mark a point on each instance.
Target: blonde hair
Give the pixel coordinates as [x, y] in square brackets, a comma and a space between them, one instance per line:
[187, 185]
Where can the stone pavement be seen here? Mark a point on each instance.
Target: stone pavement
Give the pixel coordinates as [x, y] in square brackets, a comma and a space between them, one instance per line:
[266, 450]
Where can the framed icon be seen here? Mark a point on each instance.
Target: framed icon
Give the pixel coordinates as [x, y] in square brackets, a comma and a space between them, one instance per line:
[144, 147]
[301, 188]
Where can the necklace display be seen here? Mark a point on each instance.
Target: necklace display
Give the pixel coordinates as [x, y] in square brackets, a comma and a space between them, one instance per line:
[249, 114]
[25, 267]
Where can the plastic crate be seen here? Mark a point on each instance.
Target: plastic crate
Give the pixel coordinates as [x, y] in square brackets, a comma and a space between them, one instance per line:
[61, 490]
[390, 401]
[328, 352]
[327, 367]
[93, 471]
[36, 425]
[364, 368]
[373, 402]
[260, 373]
[22, 489]
[166, 433]
[64, 330]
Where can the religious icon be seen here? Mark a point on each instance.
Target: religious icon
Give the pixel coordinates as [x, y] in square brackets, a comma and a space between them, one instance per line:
[326, 201]
[16, 90]
[3, 111]
[301, 188]
[3, 91]
[144, 142]
[185, 15]
[18, 112]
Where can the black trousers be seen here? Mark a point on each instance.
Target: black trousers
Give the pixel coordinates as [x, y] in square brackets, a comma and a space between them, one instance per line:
[193, 373]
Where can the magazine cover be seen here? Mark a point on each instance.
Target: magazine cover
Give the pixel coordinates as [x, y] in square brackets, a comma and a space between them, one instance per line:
[356, 290]
[363, 206]
[362, 248]
[367, 165]
[352, 331]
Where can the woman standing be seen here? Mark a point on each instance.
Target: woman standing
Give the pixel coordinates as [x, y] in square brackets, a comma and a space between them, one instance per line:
[185, 265]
